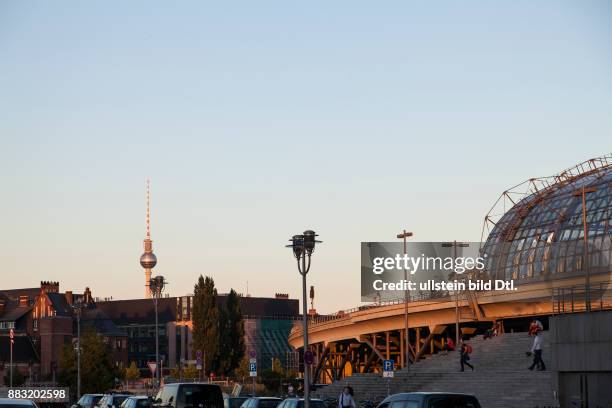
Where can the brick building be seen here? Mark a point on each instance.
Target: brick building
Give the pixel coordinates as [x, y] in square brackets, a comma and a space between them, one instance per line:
[44, 320]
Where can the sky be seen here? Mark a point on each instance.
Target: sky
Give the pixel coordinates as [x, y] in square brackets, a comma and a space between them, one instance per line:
[255, 121]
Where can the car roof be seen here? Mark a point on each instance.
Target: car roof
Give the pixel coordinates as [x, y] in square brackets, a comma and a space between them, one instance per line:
[267, 398]
[422, 394]
[10, 401]
[139, 397]
[302, 399]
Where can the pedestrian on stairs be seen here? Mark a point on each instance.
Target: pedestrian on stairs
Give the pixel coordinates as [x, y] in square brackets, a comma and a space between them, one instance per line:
[536, 348]
[465, 352]
[345, 400]
[450, 345]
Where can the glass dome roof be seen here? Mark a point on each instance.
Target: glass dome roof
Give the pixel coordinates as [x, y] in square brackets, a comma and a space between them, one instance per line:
[542, 235]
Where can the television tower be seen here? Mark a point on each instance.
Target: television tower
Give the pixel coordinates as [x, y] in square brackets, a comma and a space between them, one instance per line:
[148, 260]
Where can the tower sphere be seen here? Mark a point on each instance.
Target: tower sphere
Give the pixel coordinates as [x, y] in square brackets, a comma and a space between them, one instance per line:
[148, 260]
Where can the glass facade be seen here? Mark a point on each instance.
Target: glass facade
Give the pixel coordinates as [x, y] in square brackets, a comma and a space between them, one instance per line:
[543, 234]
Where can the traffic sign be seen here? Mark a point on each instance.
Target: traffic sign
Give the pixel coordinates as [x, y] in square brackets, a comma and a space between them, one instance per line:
[388, 368]
[199, 363]
[253, 369]
[198, 353]
[152, 366]
[252, 354]
[308, 357]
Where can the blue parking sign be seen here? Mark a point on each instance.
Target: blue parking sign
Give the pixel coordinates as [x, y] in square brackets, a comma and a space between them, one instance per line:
[388, 368]
[253, 369]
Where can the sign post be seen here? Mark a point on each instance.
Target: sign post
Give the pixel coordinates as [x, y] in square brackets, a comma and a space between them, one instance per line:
[152, 366]
[12, 337]
[253, 367]
[388, 372]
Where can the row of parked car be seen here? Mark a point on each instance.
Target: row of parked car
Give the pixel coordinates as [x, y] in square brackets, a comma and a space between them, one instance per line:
[198, 395]
[190, 395]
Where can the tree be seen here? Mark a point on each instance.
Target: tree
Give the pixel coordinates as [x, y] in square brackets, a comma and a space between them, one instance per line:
[18, 378]
[190, 372]
[235, 330]
[97, 370]
[242, 371]
[272, 380]
[206, 322]
[277, 366]
[132, 373]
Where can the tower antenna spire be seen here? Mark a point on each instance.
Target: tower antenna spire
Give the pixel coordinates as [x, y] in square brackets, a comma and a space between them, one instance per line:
[148, 260]
[148, 209]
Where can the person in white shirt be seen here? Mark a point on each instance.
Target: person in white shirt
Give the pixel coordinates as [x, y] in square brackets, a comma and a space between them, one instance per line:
[345, 400]
[536, 350]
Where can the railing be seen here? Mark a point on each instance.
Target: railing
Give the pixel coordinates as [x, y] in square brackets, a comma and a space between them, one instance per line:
[345, 314]
[574, 298]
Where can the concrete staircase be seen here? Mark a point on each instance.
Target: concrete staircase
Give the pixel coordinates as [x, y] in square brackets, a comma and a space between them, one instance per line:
[500, 379]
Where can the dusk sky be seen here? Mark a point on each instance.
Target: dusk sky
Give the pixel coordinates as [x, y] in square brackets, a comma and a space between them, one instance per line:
[257, 120]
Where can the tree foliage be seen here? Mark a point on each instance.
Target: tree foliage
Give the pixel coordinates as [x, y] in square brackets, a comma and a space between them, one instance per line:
[242, 371]
[132, 373]
[97, 371]
[18, 377]
[217, 331]
[190, 372]
[233, 346]
[206, 322]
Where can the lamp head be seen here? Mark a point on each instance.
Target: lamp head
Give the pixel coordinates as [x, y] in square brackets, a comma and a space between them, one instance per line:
[297, 244]
[157, 285]
[310, 241]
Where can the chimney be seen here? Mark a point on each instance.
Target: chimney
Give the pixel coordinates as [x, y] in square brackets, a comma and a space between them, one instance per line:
[69, 297]
[87, 296]
[24, 301]
[49, 287]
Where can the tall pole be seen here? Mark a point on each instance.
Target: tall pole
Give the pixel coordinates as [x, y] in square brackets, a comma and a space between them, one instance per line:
[403, 236]
[78, 354]
[456, 299]
[305, 325]
[303, 246]
[456, 244]
[155, 297]
[11, 359]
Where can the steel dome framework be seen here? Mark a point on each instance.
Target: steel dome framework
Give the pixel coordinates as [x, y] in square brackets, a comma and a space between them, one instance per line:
[536, 229]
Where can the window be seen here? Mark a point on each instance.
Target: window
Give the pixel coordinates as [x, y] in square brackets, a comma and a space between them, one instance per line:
[405, 404]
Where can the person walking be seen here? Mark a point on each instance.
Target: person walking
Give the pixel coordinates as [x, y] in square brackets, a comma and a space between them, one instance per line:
[345, 400]
[464, 353]
[449, 345]
[536, 348]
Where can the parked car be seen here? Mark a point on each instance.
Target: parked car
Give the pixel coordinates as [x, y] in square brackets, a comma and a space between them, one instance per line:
[17, 403]
[233, 402]
[299, 403]
[430, 400]
[112, 400]
[88, 401]
[140, 401]
[189, 395]
[261, 402]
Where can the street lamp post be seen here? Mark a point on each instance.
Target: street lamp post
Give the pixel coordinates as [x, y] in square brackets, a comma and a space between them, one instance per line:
[456, 244]
[157, 286]
[403, 236]
[303, 246]
[77, 306]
